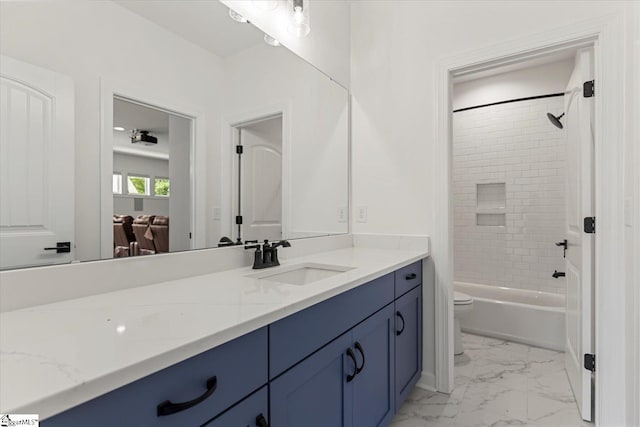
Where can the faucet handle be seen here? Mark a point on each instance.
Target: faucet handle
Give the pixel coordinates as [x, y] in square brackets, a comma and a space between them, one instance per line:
[252, 247]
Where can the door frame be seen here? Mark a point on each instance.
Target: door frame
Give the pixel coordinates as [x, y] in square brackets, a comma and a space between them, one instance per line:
[607, 35]
[228, 190]
[148, 96]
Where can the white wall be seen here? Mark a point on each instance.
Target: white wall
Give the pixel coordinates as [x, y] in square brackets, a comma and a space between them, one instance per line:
[516, 145]
[534, 81]
[396, 48]
[327, 46]
[143, 166]
[79, 39]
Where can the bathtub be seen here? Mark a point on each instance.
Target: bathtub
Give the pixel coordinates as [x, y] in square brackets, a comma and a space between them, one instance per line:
[529, 317]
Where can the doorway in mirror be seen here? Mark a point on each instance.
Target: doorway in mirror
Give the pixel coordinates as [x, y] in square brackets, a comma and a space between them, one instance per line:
[258, 186]
[151, 180]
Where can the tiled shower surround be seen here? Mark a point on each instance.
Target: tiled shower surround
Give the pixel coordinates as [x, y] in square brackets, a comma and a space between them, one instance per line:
[509, 204]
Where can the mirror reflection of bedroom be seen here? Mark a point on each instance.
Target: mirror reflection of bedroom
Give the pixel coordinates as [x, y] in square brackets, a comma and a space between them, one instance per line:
[151, 183]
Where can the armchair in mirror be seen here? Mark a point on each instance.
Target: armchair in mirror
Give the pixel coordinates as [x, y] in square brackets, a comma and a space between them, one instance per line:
[134, 128]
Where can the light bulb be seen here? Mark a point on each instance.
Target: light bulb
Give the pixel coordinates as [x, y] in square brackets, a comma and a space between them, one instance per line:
[299, 25]
[237, 17]
[271, 41]
[265, 5]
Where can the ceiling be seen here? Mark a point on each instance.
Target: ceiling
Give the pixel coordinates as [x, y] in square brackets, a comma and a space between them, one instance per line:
[134, 116]
[205, 23]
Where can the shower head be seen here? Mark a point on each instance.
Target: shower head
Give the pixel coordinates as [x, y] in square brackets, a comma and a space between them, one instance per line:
[555, 120]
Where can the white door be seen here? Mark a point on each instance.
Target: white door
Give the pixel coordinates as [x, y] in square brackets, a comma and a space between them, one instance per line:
[580, 252]
[36, 165]
[262, 180]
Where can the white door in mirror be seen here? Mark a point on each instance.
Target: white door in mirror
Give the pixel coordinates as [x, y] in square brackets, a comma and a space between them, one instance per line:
[37, 165]
[262, 180]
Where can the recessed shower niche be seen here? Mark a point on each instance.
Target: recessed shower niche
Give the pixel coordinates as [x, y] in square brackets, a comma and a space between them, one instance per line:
[489, 199]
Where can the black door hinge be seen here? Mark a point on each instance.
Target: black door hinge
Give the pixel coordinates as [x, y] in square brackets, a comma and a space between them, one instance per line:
[590, 362]
[190, 236]
[590, 224]
[238, 149]
[588, 88]
[239, 220]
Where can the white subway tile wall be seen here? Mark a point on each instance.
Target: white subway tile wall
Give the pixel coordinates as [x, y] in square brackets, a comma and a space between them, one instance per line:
[514, 144]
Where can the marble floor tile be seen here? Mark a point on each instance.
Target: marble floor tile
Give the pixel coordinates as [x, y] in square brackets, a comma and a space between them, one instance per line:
[498, 383]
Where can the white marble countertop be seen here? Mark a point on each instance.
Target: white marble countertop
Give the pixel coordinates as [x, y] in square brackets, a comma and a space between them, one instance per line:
[56, 356]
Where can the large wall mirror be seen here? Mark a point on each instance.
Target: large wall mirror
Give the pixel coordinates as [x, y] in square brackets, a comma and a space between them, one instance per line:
[132, 128]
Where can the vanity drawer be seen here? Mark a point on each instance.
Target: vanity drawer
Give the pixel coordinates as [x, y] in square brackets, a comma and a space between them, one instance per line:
[239, 368]
[408, 278]
[297, 336]
[246, 413]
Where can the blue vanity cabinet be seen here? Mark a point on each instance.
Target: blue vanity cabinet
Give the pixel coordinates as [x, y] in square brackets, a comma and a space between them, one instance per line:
[408, 343]
[349, 361]
[316, 392]
[373, 396]
[348, 383]
[297, 336]
[407, 278]
[239, 368]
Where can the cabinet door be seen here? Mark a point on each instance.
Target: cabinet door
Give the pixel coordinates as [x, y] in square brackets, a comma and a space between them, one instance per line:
[373, 397]
[408, 343]
[246, 413]
[315, 393]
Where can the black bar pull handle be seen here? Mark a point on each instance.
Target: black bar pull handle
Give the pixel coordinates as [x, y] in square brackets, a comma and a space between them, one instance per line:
[60, 248]
[401, 318]
[361, 350]
[410, 276]
[352, 356]
[261, 421]
[167, 407]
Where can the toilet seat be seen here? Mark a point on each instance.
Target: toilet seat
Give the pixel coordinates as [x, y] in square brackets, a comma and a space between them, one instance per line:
[461, 299]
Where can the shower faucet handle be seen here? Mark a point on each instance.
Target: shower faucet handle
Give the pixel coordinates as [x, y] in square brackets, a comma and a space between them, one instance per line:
[557, 274]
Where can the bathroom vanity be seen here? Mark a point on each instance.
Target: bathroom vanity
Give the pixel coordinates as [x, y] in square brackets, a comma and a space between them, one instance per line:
[230, 348]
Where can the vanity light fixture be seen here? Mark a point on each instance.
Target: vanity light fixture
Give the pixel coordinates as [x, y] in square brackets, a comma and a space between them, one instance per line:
[266, 5]
[271, 41]
[299, 25]
[119, 128]
[237, 17]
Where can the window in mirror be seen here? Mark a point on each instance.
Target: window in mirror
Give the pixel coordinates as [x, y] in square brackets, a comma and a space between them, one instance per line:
[138, 185]
[117, 183]
[161, 187]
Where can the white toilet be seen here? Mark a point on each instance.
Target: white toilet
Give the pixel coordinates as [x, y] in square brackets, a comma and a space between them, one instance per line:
[462, 305]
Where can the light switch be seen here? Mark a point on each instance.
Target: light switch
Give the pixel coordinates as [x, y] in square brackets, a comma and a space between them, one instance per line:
[342, 214]
[361, 214]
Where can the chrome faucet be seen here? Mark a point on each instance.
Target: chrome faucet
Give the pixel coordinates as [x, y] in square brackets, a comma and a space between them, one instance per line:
[266, 255]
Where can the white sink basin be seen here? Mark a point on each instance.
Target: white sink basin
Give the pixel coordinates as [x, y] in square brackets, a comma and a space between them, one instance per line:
[301, 274]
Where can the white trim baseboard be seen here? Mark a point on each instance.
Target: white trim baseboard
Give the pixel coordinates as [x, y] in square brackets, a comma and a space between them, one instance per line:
[427, 381]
